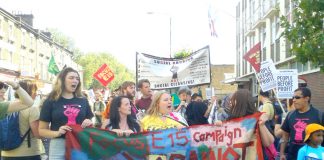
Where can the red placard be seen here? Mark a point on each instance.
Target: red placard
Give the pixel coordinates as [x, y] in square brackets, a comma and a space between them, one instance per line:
[253, 57]
[104, 75]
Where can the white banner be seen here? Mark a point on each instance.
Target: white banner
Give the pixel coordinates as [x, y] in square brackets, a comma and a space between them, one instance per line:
[287, 82]
[267, 75]
[171, 73]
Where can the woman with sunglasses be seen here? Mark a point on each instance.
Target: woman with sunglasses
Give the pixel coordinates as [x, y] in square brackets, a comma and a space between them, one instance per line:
[23, 102]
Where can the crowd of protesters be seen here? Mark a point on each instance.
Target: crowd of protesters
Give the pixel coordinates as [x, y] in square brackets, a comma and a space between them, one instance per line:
[295, 135]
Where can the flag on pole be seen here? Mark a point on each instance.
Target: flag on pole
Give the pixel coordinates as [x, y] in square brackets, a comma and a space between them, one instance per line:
[211, 23]
[253, 57]
[52, 67]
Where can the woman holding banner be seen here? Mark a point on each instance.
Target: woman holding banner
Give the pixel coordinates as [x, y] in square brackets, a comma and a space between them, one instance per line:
[121, 121]
[160, 116]
[241, 104]
[64, 106]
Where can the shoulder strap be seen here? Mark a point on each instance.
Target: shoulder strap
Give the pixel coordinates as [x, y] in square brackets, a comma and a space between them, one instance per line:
[177, 121]
[25, 135]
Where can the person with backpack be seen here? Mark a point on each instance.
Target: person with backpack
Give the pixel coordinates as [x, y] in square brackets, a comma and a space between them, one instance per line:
[24, 102]
[293, 127]
[64, 106]
[31, 147]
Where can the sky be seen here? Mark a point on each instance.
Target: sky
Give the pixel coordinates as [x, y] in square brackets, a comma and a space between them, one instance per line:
[124, 27]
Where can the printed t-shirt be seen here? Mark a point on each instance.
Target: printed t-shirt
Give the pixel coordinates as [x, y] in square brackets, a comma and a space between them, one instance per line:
[65, 112]
[295, 126]
[308, 152]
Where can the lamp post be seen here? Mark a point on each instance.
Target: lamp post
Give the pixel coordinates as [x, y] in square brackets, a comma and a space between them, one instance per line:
[170, 29]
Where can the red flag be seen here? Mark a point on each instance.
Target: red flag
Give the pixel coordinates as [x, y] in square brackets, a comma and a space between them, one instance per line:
[104, 75]
[253, 57]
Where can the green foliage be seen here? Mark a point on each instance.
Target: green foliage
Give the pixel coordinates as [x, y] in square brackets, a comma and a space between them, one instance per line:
[61, 38]
[306, 31]
[92, 61]
[182, 54]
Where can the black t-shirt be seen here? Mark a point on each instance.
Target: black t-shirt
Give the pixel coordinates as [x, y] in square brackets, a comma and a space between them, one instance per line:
[195, 113]
[65, 112]
[295, 125]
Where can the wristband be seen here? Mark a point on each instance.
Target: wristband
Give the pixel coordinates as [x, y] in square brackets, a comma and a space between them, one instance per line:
[17, 87]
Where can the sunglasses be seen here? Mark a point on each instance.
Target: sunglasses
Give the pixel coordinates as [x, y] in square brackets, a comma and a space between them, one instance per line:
[2, 85]
[296, 97]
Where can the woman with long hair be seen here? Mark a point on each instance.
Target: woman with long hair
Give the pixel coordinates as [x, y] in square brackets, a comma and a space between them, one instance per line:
[28, 122]
[242, 104]
[121, 121]
[160, 115]
[64, 106]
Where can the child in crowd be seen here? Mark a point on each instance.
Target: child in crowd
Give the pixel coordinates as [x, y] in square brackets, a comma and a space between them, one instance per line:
[313, 139]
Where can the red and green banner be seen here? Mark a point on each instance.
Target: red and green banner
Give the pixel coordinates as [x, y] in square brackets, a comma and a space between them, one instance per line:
[236, 139]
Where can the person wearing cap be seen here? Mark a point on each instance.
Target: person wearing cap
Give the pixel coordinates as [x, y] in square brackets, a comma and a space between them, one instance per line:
[313, 139]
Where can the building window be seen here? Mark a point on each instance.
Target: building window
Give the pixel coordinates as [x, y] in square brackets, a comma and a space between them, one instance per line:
[313, 66]
[293, 65]
[283, 66]
[273, 31]
[1, 32]
[288, 47]
[299, 67]
[264, 54]
[11, 32]
[277, 50]
[11, 57]
[264, 35]
[306, 67]
[244, 67]
[272, 52]
[31, 40]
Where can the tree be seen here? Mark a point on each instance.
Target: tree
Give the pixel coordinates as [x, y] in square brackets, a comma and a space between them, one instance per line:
[92, 61]
[306, 31]
[62, 39]
[182, 54]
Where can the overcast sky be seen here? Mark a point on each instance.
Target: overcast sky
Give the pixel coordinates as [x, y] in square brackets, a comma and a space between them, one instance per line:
[123, 27]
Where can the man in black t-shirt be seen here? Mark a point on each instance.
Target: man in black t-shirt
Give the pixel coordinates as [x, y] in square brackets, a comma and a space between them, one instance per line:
[295, 123]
